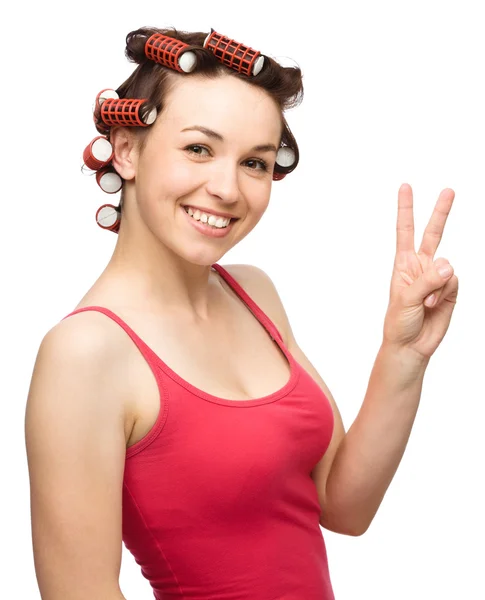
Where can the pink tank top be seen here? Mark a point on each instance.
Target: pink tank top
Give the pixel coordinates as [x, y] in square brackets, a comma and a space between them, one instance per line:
[218, 500]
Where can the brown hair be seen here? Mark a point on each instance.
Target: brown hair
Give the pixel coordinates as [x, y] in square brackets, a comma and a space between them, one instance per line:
[151, 80]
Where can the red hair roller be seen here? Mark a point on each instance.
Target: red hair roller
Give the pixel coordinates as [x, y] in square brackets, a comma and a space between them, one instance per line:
[100, 126]
[107, 217]
[98, 153]
[170, 52]
[109, 180]
[233, 54]
[100, 98]
[127, 112]
[104, 95]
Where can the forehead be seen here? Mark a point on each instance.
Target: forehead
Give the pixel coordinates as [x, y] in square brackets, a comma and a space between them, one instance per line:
[225, 104]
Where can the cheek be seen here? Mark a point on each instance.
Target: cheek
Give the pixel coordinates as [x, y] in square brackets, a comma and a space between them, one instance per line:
[258, 195]
[167, 178]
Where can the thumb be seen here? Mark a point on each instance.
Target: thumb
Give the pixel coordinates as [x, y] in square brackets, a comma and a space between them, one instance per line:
[431, 280]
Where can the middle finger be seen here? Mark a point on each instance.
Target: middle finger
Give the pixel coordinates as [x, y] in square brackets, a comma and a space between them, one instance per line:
[434, 230]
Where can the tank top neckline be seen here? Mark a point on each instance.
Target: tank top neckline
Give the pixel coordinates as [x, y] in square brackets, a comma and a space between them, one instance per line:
[257, 312]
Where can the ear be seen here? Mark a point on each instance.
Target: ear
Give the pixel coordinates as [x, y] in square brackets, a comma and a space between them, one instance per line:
[125, 159]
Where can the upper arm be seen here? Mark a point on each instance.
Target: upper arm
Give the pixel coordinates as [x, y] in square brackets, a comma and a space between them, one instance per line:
[75, 442]
[261, 288]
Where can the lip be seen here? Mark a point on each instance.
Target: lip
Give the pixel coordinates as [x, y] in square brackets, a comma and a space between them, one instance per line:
[207, 229]
[210, 212]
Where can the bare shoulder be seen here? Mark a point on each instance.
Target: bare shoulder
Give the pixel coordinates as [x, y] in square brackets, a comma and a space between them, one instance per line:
[87, 331]
[89, 338]
[91, 343]
[73, 370]
[93, 326]
[260, 287]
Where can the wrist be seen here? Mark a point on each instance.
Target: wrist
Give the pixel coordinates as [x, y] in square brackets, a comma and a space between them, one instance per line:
[404, 362]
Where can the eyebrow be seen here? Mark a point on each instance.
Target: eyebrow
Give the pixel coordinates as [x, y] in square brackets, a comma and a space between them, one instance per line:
[218, 136]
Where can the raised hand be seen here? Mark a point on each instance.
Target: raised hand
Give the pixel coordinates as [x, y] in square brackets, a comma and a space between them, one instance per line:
[421, 298]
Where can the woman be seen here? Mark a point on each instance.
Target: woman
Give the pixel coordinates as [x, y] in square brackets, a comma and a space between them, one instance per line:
[173, 409]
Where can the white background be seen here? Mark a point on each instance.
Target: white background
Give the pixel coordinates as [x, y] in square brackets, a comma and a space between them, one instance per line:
[393, 93]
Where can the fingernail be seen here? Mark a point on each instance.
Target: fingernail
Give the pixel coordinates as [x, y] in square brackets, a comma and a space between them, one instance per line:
[445, 270]
[430, 300]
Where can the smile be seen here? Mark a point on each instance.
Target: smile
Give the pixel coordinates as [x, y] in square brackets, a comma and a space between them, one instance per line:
[208, 229]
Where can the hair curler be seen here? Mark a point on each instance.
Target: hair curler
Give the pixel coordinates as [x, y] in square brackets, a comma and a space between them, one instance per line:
[98, 153]
[107, 217]
[127, 112]
[109, 180]
[100, 98]
[233, 54]
[170, 53]
[285, 156]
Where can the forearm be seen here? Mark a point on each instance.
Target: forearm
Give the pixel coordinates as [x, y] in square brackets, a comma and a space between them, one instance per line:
[372, 449]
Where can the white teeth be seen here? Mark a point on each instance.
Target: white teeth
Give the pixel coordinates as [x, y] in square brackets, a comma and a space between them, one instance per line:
[212, 220]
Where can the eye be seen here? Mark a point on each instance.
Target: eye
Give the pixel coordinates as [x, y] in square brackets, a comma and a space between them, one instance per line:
[262, 165]
[196, 149]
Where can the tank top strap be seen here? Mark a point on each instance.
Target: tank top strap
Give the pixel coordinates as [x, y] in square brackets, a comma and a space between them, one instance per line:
[255, 309]
[146, 351]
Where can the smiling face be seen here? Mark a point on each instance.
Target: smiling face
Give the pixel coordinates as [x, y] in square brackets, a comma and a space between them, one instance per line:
[212, 147]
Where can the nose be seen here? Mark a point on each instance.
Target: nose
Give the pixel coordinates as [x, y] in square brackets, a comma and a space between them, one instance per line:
[223, 182]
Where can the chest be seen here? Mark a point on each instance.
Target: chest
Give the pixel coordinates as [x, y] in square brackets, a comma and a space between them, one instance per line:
[234, 358]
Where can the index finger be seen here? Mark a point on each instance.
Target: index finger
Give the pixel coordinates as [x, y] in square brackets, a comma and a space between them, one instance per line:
[405, 220]
[434, 230]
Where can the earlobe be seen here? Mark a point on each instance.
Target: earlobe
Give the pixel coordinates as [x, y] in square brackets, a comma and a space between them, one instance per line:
[125, 152]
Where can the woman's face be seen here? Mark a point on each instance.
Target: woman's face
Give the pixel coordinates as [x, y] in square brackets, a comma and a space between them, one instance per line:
[214, 147]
